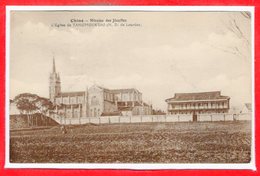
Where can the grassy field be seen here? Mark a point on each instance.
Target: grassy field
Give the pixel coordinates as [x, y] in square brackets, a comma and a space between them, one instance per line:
[204, 142]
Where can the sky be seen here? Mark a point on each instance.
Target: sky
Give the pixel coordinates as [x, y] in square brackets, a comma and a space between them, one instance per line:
[164, 54]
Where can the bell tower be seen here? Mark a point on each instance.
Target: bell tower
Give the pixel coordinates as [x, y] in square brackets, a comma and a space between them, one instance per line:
[54, 83]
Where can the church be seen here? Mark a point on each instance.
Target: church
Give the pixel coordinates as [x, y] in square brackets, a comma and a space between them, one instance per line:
[96, 101]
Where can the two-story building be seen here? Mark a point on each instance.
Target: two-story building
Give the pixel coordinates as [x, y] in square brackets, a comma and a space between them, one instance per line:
[198, 103]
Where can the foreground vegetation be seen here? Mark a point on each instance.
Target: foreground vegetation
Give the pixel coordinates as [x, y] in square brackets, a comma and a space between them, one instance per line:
[205, 142]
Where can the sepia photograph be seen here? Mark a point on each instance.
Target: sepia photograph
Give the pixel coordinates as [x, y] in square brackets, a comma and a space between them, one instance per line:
[151, 86]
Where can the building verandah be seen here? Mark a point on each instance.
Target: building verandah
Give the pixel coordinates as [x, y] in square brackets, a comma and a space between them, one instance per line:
[198, 103]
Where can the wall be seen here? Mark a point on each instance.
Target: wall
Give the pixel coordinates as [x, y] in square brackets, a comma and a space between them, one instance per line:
[109, 107]
[33, 121]
[142, 110]
[156, 118]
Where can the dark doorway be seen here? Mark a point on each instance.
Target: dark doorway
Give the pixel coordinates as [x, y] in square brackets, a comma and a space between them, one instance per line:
[194, 117]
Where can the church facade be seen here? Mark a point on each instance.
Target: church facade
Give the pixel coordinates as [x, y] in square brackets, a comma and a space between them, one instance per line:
[96, 101]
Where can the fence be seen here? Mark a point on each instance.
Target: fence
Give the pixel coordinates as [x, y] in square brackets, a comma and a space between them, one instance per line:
[153, 118]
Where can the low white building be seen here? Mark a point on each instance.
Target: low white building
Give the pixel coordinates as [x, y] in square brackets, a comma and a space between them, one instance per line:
[247, 108]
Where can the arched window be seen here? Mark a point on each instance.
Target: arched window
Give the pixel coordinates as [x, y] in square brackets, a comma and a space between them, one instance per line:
[95, 112]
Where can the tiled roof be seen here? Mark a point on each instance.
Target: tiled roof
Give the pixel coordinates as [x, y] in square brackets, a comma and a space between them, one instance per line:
[125, 108]
[100, 87]
[124, 90]
[145, 104]
[197, 96]
[71, 94]
[116, 113]
[105, 89]
[249, 106]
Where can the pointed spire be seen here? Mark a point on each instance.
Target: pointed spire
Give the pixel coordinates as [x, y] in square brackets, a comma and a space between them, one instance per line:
[53, 68]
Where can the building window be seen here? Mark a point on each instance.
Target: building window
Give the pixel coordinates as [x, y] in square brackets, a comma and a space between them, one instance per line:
[95, 112]
[94, 101]
[69, 114]
[75, 114]
[80, 100]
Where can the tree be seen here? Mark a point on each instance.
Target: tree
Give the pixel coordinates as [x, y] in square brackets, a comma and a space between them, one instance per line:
[30, 104]
[26, 106]
[238, 25]
[44, 106]
[234, 26]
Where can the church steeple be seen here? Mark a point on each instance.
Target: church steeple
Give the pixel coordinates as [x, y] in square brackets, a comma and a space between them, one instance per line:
[54, 83]
[53, 66]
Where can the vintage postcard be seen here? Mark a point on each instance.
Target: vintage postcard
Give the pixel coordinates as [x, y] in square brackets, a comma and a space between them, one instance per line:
[130, 87]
